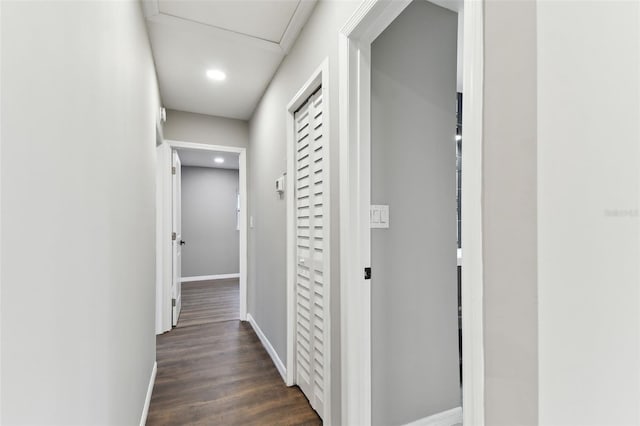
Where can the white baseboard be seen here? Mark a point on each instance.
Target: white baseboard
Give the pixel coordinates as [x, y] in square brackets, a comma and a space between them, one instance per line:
[209, 277]
[267, 345]
[147, 400]
[444, 418]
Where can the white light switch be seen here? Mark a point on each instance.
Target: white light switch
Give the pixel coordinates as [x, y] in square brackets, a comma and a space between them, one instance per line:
[379, 216]
[384, 216]
[375, 216]
[280, 185]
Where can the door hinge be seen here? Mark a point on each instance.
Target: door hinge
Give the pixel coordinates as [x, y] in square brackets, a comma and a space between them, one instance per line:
[173, 236]
[173, 170]
[173, 302]
[367, 273]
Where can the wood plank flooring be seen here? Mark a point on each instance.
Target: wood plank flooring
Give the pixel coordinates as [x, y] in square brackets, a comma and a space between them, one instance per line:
[205, 302]
[213, 370]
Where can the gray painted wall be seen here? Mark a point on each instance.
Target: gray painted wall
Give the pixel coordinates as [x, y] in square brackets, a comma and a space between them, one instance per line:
[267, 276]
[79, 109]
[509, 214]
[200, 128]
[209, 221]
[414, 330]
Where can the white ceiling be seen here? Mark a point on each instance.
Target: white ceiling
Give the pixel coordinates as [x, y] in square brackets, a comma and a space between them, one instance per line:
[267, 20]
[247, 39]
[201, 158]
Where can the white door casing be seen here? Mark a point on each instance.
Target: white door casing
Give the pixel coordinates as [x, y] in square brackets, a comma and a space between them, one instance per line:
[176, 288]
[163, 239]
[308, 242]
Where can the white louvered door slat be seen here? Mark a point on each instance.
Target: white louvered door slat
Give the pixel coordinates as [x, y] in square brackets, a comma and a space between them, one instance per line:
[304, 314]
[310, 268]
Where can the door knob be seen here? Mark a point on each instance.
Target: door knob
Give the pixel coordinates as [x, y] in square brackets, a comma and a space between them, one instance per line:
[182, 242]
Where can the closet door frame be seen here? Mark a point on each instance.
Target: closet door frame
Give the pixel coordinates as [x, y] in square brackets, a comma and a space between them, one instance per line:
[319, 78]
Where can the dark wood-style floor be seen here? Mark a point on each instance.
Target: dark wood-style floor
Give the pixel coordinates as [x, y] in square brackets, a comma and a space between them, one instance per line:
[213, 370]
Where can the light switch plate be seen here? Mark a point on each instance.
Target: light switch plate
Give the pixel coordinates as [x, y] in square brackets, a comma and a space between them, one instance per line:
[379, 216]
[384, 216]
[375, 215]
[280, 185]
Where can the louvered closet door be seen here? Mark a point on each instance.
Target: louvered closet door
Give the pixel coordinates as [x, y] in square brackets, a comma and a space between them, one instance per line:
[310, 271]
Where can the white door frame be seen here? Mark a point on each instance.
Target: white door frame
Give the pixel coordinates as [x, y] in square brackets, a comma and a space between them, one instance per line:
[320, 77]
[164, 236]
[364, 26]
[159, 263]
[164, 228]
[176, 237]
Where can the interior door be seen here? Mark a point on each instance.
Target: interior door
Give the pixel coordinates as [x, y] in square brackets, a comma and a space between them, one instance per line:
[176, 286]
[311, 330]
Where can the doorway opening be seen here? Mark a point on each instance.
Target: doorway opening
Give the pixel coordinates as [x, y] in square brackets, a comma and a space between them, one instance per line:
[398, 172]
[415, 353]
[210, 235]
[202, 237]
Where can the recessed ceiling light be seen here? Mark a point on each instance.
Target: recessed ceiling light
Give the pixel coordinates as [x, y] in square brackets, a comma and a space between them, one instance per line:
[219, 160]
[216, 75]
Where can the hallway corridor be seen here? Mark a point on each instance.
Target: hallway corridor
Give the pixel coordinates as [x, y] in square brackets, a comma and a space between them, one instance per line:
[213, 370]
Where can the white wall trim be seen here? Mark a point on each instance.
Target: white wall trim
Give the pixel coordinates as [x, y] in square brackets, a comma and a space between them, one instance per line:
[445, 418]
[163, 239]
[320, 77]
[244, 239]
[0, 225]
[472, 201]
[203, 146]
[209, 277]
[355, 38]
[159, 242]
[147, 400]
[268, 347]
